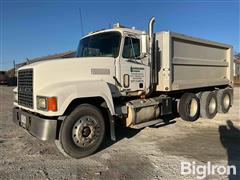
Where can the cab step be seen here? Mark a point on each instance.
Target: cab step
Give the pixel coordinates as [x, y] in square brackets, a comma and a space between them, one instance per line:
[146, 124]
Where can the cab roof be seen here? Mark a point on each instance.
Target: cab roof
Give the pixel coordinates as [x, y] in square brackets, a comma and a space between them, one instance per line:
[116, 29]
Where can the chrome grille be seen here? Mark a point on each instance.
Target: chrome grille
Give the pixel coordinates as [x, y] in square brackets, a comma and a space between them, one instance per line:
[25, 88]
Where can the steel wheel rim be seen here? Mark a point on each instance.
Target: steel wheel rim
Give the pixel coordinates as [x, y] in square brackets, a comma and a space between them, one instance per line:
[85, 131]
[212, 106]
[226, 101]
[193, 107]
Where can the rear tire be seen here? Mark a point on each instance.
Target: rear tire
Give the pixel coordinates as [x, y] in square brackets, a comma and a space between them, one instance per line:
[82, 132]
[209, 105]
[224, 97]
[189, 107]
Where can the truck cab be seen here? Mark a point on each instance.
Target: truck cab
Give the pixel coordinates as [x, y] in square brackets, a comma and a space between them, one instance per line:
[128, 52]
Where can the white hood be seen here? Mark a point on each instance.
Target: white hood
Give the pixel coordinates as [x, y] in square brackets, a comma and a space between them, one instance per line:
[73, 69]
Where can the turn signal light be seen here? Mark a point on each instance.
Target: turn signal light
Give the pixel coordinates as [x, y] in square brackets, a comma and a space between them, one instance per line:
[52, 103]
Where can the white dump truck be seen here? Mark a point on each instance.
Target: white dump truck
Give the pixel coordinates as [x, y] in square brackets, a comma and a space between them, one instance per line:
[122, 75]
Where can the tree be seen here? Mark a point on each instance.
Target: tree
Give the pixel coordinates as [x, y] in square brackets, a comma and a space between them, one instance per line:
[237, 56]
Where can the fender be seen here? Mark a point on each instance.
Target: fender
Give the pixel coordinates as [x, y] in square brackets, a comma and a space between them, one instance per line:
[66, 92]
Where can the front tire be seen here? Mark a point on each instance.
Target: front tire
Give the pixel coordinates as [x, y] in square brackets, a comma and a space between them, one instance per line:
[82, 132]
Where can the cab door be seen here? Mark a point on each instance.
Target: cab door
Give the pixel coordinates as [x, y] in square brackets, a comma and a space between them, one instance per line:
[134, 73]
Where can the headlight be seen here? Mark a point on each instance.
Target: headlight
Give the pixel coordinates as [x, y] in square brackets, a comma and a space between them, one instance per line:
[47, 103]
[41, 103]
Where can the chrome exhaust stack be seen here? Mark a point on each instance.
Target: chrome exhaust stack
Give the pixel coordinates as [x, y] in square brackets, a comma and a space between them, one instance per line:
[151, 52]
[150, 28]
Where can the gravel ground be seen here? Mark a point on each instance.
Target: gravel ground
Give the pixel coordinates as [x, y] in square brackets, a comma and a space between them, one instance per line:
[151, 153]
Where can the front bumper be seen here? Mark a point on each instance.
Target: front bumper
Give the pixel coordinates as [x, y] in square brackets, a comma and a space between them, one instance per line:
[41, 128]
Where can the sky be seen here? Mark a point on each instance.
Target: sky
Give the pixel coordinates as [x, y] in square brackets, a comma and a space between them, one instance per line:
[35, 28]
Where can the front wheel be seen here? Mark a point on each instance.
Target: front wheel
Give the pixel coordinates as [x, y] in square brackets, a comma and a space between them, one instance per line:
[82, 132]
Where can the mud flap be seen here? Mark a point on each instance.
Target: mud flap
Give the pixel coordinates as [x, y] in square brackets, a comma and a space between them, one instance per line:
[112, 126]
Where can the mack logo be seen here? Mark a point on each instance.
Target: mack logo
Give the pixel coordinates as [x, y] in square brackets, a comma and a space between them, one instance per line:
[27, 90]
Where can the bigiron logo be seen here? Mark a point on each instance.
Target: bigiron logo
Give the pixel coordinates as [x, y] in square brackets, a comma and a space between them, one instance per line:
[202, 171]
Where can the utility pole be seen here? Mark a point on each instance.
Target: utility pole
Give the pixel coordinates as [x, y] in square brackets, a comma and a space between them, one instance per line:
[81, 21]
[14, 67]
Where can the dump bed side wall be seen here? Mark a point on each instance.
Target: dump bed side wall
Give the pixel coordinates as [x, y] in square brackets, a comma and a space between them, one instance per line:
[186, 62]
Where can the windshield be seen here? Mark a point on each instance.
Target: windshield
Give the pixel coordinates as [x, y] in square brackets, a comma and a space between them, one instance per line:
[103, 44]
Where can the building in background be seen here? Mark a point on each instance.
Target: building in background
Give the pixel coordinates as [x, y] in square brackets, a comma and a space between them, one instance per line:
[3, 77]
[236, 68]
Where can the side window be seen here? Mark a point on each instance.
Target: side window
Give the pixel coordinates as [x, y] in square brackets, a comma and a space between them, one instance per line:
[131, 48]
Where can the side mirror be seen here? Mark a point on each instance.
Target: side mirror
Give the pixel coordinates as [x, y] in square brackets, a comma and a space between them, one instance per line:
[142, 55]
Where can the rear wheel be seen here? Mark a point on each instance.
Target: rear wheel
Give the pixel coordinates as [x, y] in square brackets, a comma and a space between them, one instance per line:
[189, 107]
[82, 132]
[224, 100]
[209, 105]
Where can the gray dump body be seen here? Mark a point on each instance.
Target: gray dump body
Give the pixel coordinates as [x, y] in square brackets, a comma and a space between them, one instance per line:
[185, 62]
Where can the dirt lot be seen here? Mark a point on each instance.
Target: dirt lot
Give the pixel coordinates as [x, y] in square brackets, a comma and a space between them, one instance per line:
[151, 153]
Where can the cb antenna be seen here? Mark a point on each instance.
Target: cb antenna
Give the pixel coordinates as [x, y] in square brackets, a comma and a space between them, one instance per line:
[81, 21]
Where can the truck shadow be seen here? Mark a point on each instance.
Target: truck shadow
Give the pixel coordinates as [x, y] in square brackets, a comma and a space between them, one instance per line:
[126, 132]
[230, 139]
[121, 133]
